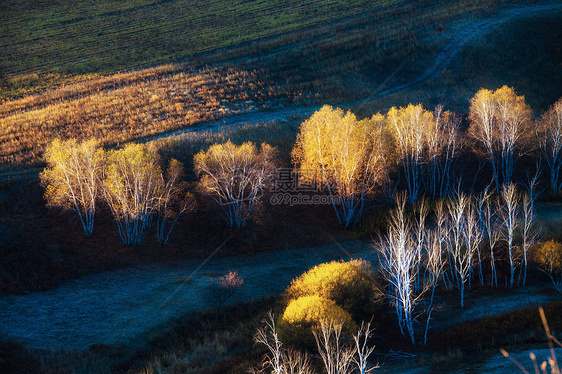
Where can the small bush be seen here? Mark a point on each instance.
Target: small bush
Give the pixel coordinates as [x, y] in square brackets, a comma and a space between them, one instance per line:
[305, 314]
[548, 255]
[349, 284]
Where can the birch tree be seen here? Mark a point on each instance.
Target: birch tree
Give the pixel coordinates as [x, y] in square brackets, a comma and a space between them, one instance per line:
[443, 147]
[513, 117]
[492, 230]
[461, 253]
[472, 238]
[398, 259]
[442, 232]
[529, 235]
[428, 146]
[72, 178]
[435, 266]
[483, 127]
[499, 121]
[411, 125]
[510, 220]
[172, 201]
[337, 357]
[343, 155]
[550, 141]
[236, 177]
[132, 188]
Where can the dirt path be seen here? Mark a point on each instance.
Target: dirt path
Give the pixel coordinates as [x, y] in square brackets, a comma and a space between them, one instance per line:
[115, 306]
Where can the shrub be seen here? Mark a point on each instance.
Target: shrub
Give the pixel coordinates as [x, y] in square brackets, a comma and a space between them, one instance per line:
[548, 255]
[349, 284]
[306, 314]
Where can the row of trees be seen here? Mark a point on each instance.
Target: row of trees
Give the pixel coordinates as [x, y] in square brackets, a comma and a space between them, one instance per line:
[132, 184]
[352, 158]
[459, 248]
[130, 181]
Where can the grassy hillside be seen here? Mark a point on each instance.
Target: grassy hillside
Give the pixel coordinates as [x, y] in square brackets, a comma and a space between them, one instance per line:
[105, 36]
[322, 52]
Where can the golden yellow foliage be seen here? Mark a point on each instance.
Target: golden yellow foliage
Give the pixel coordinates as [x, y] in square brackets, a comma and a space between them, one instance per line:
[349, 284]
[307, 313]
[548, 255]
[313, 310]
[72, 178]
[501, 123]
[235, 176]
[336, 151]
[132, 187]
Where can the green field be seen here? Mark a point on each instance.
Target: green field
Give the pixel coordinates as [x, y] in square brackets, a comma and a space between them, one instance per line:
[84, 36]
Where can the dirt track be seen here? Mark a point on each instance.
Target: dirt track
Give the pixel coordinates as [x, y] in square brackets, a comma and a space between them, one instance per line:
[116, 306]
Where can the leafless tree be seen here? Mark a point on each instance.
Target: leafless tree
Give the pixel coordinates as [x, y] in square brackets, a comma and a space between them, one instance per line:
[550, 141]
[362, 350]
[435, 266]
[296, 362]
[510, 219]
[420, 235]
[223, 288]
[492, 230]
[461, 254]
[337, 357]
[267, 335]
[442, 232]
[398, 259]
[530, 236]
[472, 238]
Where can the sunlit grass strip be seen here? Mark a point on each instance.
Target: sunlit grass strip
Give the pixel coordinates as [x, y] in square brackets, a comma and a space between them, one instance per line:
[136, 107]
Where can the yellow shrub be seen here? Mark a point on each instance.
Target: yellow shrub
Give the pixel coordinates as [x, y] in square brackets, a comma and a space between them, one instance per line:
[305, 314]
[548, 255]
[349, 284]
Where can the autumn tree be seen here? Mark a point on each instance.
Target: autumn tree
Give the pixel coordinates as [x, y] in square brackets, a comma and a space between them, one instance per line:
[462, 255]
[499, 121]
[172, 200]
[346, 156]
[550, 141]
[529, 234]
[236, 177]
[136, 191]
[72, 178]
[427, 143]
[223, 288]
